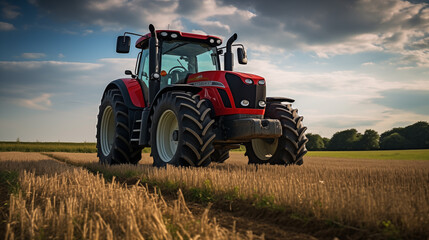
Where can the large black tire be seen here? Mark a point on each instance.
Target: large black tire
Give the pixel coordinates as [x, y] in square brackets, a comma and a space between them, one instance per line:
[181, 130]
[288, 148]
[220, 155]
[113, 131]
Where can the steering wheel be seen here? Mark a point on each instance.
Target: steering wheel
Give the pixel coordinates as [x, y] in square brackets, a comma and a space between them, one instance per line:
[174, 77]
[177, 69]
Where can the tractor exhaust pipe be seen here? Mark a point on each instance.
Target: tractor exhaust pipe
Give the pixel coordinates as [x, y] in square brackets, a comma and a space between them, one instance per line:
[229, 56]
[154, 77]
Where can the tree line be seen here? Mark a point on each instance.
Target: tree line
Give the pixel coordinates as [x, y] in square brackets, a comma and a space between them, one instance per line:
[415, 136]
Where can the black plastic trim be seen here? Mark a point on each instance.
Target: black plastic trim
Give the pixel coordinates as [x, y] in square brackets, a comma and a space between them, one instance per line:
[225, 99]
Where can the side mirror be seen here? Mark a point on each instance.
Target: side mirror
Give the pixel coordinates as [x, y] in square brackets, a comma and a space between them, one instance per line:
[242, 55]
[128, 72]
[123, 44]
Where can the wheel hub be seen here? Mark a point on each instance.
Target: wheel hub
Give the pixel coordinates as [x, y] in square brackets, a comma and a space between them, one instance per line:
[107, 130]
[175, 135]
[167, 135]
[264, 149]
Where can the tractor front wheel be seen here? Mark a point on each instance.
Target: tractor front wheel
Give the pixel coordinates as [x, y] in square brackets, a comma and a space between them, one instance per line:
[288, 148]
[113, 131]
[220, 155]
[181, 130]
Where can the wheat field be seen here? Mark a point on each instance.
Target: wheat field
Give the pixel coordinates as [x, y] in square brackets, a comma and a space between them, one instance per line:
[59, 201]
[388, 198]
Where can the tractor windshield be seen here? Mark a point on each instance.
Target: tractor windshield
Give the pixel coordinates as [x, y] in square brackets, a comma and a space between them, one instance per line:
[180, 58]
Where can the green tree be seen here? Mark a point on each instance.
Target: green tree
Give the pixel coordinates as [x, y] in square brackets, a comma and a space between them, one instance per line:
[417, 135]
[345, 140]
[315, 142]
[369, 140]
[326, 142]
[394, 141]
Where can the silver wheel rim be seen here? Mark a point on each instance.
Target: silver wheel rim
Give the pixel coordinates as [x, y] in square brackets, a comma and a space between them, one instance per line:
[165, 143]
[264, 150]
[107, 133]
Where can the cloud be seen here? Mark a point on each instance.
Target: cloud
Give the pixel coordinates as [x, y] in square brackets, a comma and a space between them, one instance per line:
[10, 11]
[351, 85]
[113, 14]
[327, 28]
[67, 81]
[39, 65]
[33, 55]
[334, 100]
[416, 101]
[4, 26]
[61, 93]
[41, 102]
[346, 121]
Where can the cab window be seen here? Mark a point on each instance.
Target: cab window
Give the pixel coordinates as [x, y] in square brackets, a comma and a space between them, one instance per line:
[144, 67]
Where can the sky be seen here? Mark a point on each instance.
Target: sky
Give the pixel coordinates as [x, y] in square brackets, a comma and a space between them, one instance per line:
[360, 64]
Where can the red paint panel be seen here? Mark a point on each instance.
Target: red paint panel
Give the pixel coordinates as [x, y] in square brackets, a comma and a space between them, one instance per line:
[140, 41]
[135, 92]
[210, 92]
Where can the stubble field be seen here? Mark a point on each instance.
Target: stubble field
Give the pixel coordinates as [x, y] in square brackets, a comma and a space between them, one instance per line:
[69, 195]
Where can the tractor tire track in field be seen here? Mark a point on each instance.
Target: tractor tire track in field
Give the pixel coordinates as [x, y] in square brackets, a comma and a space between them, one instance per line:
[242, 216]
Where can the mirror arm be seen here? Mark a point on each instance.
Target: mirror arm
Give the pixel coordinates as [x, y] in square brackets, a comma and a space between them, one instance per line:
[131, 33]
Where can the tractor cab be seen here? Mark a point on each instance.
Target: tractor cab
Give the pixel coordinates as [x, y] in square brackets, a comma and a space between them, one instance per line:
[179, 59]
[177, 55]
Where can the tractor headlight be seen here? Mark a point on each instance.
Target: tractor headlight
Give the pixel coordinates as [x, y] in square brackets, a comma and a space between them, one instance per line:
[261, 82]
[211, 40]
[218, 41]
[262, 104]
[248, 81]
[244, 103]
[174, 35]
[164, 34]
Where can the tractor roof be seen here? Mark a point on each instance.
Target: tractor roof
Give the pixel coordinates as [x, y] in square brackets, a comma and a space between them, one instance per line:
[143, 41]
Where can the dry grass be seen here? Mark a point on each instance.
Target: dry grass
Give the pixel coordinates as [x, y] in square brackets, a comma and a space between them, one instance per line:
[58, 201]
[390, 196]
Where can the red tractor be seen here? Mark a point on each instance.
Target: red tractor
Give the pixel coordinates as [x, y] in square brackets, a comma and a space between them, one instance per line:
[181, 104]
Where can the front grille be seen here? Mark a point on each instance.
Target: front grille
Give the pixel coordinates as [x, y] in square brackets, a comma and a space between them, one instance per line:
[240, 91]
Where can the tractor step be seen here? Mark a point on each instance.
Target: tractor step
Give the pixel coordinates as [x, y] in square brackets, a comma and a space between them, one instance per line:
[135, 134]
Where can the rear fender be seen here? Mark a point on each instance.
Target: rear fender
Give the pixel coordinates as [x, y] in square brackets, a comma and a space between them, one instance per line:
[131, 92]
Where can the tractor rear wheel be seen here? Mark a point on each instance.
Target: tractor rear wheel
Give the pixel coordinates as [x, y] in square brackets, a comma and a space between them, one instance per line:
[181, 130]
[288, 148]
[113, 131]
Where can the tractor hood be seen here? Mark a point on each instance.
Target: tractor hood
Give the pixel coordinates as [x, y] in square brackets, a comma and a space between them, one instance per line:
[220, 75]
[232, 92]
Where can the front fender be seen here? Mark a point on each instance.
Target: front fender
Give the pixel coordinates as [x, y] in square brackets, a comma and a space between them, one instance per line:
[144, 133]
[181, 87]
